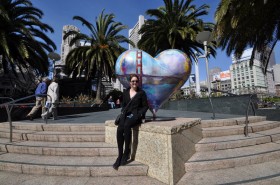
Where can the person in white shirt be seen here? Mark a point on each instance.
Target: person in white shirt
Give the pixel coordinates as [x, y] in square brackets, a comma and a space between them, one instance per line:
[52, 99]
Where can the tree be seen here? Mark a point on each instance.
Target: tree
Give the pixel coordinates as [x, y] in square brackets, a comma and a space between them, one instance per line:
[98, 58]
[175, 26]
[23, 43]
[250, 23]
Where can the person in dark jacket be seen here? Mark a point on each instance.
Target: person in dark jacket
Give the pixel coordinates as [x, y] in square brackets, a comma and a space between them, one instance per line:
[137, 102]
[40, 100]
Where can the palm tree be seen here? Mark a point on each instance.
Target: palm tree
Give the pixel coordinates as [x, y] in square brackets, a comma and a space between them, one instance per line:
[98, 57]
[250, 23]
[23, 43]
[175, 26]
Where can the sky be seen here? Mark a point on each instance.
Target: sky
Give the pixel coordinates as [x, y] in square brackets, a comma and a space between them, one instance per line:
[58, 13]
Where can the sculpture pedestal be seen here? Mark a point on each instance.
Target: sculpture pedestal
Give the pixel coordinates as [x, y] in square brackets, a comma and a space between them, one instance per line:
[164, 146]
[160, 118]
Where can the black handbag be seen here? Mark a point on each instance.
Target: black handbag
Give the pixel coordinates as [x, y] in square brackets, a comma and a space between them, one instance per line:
[118, 119]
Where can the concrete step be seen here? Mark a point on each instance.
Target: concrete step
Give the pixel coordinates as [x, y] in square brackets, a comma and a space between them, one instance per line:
[236, 141]
[66, 137]
[68, 166]
[230, 158]
[55, 127]
[16, 134]
[59, 148]
[267, 173]
[239, 129]
[231, 121]
[98, 136]
[8, 178]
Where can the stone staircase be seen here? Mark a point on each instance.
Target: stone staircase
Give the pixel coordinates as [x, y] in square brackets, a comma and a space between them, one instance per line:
[225, 156]
[62, 150]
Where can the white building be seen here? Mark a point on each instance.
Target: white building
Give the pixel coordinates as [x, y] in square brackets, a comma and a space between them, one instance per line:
[276, 73]
[133, 33]
[246, 79]
[65, 45]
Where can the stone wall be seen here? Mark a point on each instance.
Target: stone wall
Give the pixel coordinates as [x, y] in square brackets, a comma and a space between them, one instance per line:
[225, 105]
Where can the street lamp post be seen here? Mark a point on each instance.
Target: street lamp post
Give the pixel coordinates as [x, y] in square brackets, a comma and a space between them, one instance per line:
[204, 38]
[197, 85]
[54, 57]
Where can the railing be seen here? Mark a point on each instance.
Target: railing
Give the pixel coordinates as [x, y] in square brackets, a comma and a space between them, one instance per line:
[250, 103]
[6, 105]
[209, 97]
[10, 104]
[246, 131]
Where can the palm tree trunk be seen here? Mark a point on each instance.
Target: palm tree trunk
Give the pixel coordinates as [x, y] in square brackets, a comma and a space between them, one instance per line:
[98, 92]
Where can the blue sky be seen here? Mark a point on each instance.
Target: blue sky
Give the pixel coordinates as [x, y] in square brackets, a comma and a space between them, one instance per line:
[58, 13]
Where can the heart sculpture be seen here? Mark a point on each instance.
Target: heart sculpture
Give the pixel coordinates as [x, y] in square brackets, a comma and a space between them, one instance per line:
[159, 77]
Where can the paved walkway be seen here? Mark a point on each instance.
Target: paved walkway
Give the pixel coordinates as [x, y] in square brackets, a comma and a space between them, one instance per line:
[102, 116]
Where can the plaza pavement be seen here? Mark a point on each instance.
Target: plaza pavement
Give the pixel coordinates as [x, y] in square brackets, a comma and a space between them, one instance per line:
[111, 114]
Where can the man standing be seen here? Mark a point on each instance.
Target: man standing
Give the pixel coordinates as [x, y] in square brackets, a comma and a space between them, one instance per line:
[52, 99]
[40, 99]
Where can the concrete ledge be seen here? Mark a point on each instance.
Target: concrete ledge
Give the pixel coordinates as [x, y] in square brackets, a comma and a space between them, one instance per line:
[164, 146]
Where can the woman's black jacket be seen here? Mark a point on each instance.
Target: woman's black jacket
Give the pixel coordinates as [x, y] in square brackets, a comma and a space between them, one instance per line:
[139, 104]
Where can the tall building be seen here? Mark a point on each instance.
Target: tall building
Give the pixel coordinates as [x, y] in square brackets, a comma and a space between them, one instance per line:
[222, 81]
[214, 72]
[134, 37]
[65, 46]
[246, 55]
[246, 79]
[133, 33]
[276, 75]
[270, 82]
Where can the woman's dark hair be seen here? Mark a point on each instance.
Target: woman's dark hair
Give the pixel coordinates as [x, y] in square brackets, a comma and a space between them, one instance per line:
[133, 75]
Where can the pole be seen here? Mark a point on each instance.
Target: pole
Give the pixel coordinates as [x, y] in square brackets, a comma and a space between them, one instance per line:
[207, 67]
[197, 85]
[53, 68]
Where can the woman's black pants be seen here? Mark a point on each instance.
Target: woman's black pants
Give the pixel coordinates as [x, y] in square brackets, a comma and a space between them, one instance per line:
[124, 135]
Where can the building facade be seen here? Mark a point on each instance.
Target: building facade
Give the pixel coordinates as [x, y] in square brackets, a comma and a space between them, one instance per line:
[65, 46]
[133, 32]
[276, 77]
[246, 79]
[221, 81]
[276, 74]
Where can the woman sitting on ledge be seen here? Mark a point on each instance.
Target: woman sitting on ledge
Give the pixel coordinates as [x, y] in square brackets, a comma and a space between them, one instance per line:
[135, 104]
